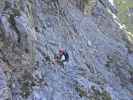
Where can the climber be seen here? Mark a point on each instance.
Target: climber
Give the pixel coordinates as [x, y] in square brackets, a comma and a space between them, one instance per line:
[62, 57]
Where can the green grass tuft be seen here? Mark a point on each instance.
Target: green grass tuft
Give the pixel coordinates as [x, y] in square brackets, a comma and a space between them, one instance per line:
[123, 6]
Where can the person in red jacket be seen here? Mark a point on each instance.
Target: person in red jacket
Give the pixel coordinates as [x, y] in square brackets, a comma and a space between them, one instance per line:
[62, 57]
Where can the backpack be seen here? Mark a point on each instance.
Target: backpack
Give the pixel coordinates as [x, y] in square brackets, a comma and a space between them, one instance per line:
[66, 56]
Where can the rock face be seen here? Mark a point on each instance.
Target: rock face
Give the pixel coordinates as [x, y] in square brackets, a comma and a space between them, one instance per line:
[31, 33]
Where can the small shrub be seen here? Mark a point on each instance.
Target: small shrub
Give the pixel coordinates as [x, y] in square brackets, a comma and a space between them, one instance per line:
[1, 44]
[16, 12]
[26, 84]
[105, 96]
[81, 91]
[98, 95]
[25, 89]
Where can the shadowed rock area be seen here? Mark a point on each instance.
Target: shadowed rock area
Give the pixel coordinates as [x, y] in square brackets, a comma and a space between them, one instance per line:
[100, 50]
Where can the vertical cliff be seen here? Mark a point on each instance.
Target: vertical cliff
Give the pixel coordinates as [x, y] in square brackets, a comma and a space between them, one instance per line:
[100, 50]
